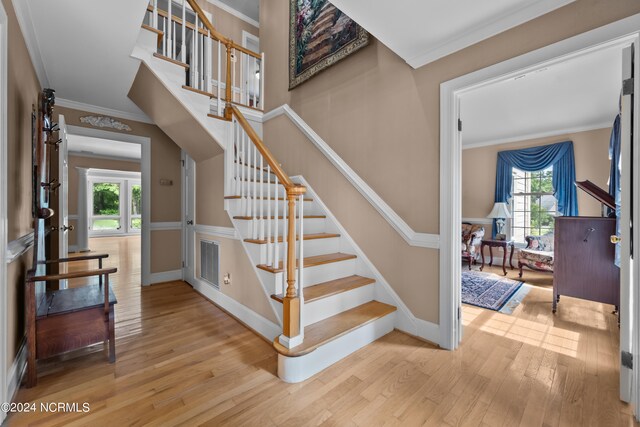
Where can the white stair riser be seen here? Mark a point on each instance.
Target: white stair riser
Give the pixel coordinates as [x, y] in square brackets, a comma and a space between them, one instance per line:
[311, 226]
[311, 248]
[297, 369]
[324, 308]
[239, 207]
[321, 273]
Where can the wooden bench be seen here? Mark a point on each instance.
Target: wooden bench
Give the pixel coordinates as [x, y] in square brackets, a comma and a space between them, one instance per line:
[67, 319]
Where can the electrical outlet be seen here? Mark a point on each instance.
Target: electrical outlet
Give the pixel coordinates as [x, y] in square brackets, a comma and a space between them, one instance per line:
[227, 279]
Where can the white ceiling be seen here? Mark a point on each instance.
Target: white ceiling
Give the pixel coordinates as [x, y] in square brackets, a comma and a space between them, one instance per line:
[82, 48]
[421, 31]
[578, 94]
[89, 146]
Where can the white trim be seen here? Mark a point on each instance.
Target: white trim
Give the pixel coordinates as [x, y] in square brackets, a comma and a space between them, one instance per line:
[547, 134]
[16, 371]
[73, 249]
[482, 221]
[213, 230]
[248, 36]
[413, 238]
[17, 247]
[73, 217]
[4, 200]
[101, 156]
[618, 33]
[484, 31]
[235, 13]
[165, 276]
[81, 106]
[155, 226]
[145, 170]
[113, 173]
[253, 320]
[23, 13]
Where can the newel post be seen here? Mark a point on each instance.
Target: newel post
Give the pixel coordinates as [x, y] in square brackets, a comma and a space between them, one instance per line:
[291, 328]
[228, 97]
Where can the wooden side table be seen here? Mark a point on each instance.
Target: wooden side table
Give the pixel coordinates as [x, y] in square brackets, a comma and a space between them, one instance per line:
[504, 244]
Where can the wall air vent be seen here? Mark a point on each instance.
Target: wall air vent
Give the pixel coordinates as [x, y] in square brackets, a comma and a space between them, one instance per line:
[210, 262]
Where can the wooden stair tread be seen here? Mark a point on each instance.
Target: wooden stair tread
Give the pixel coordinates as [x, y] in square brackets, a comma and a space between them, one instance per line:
[280, 217]
[327, 330]
[173, 61]
[263, 198]
[215, 116]
[312, 261]
[330, 288]
[314, 236]
[198, 91]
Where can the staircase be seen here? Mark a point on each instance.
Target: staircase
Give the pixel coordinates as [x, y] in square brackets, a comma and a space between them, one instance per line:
[323, 289]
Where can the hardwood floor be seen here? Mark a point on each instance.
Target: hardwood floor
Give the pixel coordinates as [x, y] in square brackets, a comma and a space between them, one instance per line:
[183, 361]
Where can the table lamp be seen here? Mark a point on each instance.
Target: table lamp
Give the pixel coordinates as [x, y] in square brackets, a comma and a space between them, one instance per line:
[499, 212]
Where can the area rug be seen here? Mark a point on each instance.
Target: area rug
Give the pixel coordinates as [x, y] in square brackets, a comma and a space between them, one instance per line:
[487, 290]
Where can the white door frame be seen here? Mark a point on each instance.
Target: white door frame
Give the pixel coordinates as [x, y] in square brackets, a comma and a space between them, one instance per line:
[188, 230]
[63, 200]
[622, 33]
[145, 168]
[4, 397]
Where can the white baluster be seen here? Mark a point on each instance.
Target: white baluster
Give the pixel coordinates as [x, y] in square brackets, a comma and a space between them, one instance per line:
[276, 234]
[262, 199]
[269, 235]
[262, 82]
[209, 69]
[196, 54]
[169, 34]
[255, 191]
[155, 14]
[192, 68]
[183, 47]
[164, 36]
[233, 75]
[243, 172]
[219, 90]
[252, 100]
[249, 191]
[301, 260]
[236, 175]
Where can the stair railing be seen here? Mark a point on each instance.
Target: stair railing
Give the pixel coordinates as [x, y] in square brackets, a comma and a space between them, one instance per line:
[186, 35]
[258, 178]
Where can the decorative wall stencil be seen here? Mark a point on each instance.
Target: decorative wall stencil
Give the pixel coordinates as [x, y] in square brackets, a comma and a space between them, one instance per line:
[105, 122]
[319, 36]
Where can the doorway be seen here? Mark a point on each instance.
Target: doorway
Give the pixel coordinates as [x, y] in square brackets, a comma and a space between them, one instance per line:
[4, 381]
[109, 194]
[621, 34]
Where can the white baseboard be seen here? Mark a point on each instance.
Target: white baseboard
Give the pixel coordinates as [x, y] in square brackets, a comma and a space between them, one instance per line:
[253, 320]
[165, 276]
[14, 376]
[428, 331]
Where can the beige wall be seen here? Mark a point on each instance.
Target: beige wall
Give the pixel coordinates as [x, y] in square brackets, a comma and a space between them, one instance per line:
[591, 150]
[22, 94]
[245, 286]
[227, 24]
[382, 117]
[210, 193]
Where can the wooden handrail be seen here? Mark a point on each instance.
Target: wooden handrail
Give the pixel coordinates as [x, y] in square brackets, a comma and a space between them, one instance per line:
[266, 153]
[78, 258]
[72, 275]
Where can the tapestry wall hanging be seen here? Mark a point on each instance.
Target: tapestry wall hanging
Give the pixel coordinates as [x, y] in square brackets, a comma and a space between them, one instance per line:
[319, 36]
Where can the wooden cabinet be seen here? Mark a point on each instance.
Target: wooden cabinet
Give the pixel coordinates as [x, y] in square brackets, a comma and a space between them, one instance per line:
[584, 260]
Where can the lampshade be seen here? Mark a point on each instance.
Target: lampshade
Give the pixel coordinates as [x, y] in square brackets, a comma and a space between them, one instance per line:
[500, 210]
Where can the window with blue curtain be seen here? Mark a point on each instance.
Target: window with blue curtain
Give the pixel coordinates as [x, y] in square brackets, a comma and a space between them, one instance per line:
[558, 156]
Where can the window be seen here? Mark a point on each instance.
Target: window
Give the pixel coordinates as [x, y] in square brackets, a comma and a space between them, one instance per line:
[533, 205]
[115, 202]
[106, 206]
[135, 220]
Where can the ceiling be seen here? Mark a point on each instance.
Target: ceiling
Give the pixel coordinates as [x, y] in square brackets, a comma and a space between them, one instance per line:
[89, 146]
[578, 94]
[82, 49]
[250, 8]
[421, 31]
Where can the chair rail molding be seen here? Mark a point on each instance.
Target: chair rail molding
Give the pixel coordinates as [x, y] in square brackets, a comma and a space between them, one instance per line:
[412, 237]
[17, 247]
[214, 230]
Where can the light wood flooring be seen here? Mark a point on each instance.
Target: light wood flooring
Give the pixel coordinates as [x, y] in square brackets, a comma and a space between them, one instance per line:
[183, 361]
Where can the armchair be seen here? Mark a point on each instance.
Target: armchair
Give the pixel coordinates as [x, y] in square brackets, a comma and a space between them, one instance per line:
[472, 235]
[538, 254]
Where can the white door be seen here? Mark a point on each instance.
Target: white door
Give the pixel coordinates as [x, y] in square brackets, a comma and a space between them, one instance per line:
[189, 234]
[63, 198]
[628, 283]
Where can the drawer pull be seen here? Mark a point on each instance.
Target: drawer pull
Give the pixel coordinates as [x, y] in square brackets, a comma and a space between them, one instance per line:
[586, 236]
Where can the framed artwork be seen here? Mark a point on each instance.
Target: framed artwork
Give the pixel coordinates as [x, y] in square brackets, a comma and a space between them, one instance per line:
[319, 36]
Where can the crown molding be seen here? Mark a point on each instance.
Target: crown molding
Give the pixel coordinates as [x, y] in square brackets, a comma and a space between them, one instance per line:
[482, 32]
[538, 135]
[23, 13]
[136, 117]
[234, 12]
